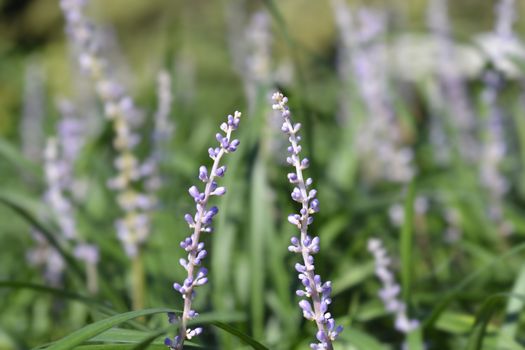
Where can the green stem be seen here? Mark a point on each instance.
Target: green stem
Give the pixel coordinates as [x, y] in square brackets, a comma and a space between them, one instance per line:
[137, 282]
[92, 278]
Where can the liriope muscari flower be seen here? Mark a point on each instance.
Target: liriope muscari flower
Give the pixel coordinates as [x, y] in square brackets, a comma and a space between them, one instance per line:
[494, 147]
[201, 222]
[134, 228]
[162, 131]
[362, 53]
[452, 89]
[60, 155]
[46, 256]
[31, 123]
[389, 293]
[315, 293]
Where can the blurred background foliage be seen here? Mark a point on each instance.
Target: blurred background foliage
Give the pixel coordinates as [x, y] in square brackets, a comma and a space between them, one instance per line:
[252, 278]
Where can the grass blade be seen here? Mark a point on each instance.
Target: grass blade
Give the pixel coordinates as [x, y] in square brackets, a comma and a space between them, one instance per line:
[243, 337]
[88, 332]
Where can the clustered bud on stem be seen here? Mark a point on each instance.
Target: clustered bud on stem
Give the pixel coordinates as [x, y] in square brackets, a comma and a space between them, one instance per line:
[201, 222]
[390, 291]
[316, 294]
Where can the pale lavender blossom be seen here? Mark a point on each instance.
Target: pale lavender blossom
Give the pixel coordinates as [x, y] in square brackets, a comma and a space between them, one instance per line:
[201, 222]
[494, 147]
[162, 131]
[316, 294]
[389, 293]
[362, 58]
[58, 170]
[452, 87]
[46, 256]
[57, 173]
[507, 15]
[133, 228]
[258, 42]
[31, 124]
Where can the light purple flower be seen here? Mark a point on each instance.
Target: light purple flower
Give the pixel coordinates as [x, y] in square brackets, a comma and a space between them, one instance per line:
[201, 222]
[316, 294]
[125, 117]
[389, 293]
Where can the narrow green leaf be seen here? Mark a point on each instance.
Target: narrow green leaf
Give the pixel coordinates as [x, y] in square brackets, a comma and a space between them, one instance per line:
[360, 340]
[19, 205]
[61, 293]
[415, 340]
[23, 207]
[406, 244]
[259, 224]
[451, 295]
[514, 307]
[147, 342]
[91, 330]
[483, 317]
[14, 156]
[243, 337]
[117, 347]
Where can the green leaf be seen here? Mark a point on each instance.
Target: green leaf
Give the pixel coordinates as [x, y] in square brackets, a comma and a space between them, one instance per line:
[136, 340]
[14, 156]
[243, 337]
[21, 206]
[360, 340]
[61, 293]
[260, 223]
[406, 244]
[91, 330]
[26, 208]
[452, 294]
[483, 317]
[514, 307]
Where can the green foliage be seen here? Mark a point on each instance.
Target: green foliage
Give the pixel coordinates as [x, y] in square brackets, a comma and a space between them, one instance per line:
[467, 292]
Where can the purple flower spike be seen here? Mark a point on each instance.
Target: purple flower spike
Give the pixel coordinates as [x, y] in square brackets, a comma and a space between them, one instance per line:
[201, 222]
[390, 291]
[316, 308]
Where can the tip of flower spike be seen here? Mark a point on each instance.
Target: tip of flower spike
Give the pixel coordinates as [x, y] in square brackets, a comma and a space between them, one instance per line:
[237, 114]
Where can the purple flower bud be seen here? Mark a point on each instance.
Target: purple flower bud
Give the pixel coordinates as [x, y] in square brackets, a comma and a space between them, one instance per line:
[189, 219]
[305, 163]
[194, 192]
[233, 146]
[208, 216]
[297, 195]
[300, 268]
[203, 173]
[292, 177]
[220, 171]
[294, 219]
[186, 244]
[307, 309]
[219, 191]
[213, 152]
[183, 263]
[314, 205]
